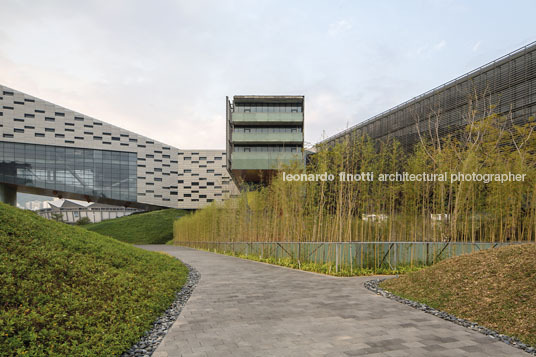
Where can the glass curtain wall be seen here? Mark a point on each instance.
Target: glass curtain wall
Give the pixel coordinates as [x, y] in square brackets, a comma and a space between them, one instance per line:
[268, 107]
[267, 129]
[99, 173]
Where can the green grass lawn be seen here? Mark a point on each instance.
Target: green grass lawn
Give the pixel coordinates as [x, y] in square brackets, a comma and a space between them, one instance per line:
[494, 288]
[70, 292]
[154, 227]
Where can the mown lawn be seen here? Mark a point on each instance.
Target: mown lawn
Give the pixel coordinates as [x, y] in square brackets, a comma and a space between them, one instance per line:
[67, 291]
[154, 227]
[494, 288]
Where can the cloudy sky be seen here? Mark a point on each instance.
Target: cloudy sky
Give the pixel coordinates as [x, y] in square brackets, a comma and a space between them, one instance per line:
[163, 68]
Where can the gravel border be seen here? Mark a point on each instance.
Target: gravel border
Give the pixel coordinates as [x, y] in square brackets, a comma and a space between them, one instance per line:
[373, 285]
[152, 338]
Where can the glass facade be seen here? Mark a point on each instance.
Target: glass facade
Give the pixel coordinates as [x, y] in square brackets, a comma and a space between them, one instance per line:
[100, 173]
[268, 107]
[272, 148]
[267, 129]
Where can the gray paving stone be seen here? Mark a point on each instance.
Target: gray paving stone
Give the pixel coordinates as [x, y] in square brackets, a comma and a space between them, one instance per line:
[245, 308]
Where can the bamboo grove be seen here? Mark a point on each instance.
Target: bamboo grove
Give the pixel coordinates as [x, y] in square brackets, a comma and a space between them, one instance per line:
[390, 211]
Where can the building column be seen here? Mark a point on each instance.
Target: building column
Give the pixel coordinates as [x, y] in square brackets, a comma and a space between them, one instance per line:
[8, 194]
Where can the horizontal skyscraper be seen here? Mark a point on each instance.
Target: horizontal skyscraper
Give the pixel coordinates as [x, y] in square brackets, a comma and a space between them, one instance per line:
[50, 150]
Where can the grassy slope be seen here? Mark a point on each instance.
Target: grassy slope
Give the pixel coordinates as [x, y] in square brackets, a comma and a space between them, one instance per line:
[67, 291]
[145, 228]
[495, 288]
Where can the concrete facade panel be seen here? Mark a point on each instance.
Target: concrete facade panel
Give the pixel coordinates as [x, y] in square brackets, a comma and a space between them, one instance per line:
[30, 120]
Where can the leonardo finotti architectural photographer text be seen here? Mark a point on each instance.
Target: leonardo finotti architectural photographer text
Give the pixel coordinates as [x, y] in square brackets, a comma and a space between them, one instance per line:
[406, 176]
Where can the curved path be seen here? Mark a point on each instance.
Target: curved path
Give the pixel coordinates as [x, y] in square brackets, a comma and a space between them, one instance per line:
[245, 308]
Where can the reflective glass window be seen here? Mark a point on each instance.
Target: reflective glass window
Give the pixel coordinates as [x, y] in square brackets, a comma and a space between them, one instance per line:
[98, 173]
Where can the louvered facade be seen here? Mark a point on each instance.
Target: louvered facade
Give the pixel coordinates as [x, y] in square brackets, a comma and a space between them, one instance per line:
[508, 83]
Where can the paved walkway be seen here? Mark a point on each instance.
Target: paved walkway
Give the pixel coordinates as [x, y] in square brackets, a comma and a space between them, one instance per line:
[245, 308]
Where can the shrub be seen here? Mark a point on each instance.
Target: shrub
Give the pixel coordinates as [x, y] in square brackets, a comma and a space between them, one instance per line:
[83, 221]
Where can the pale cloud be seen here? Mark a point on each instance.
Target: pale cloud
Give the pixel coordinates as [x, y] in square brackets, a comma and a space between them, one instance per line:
[426, 50]
[327, 103]
[339, 27]
[440, 45]
[164, 70]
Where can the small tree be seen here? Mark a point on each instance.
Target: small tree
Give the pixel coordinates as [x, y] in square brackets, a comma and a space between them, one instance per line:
[83, 221]
[57, 216]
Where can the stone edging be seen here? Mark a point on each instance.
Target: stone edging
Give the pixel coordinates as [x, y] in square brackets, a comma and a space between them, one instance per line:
[373, 285]
[152, 338]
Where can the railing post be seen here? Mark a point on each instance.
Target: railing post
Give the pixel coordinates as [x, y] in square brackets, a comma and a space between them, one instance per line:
[351, 256]
[336, 257]
[396, 251]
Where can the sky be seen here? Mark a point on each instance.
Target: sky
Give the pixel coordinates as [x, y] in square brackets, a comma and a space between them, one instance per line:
[163, 68]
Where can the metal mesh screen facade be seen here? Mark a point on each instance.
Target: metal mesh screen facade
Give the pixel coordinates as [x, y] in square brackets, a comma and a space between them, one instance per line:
[508, 83]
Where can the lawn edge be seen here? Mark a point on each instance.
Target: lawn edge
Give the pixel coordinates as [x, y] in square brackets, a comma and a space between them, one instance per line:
[152, 338]
[373, 285]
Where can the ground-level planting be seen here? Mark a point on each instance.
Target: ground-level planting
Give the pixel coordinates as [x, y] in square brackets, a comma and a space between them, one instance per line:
[396, 222]
[325, 268]
[494, 288]
[345, 258]
[154, 227]
[67, 291]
